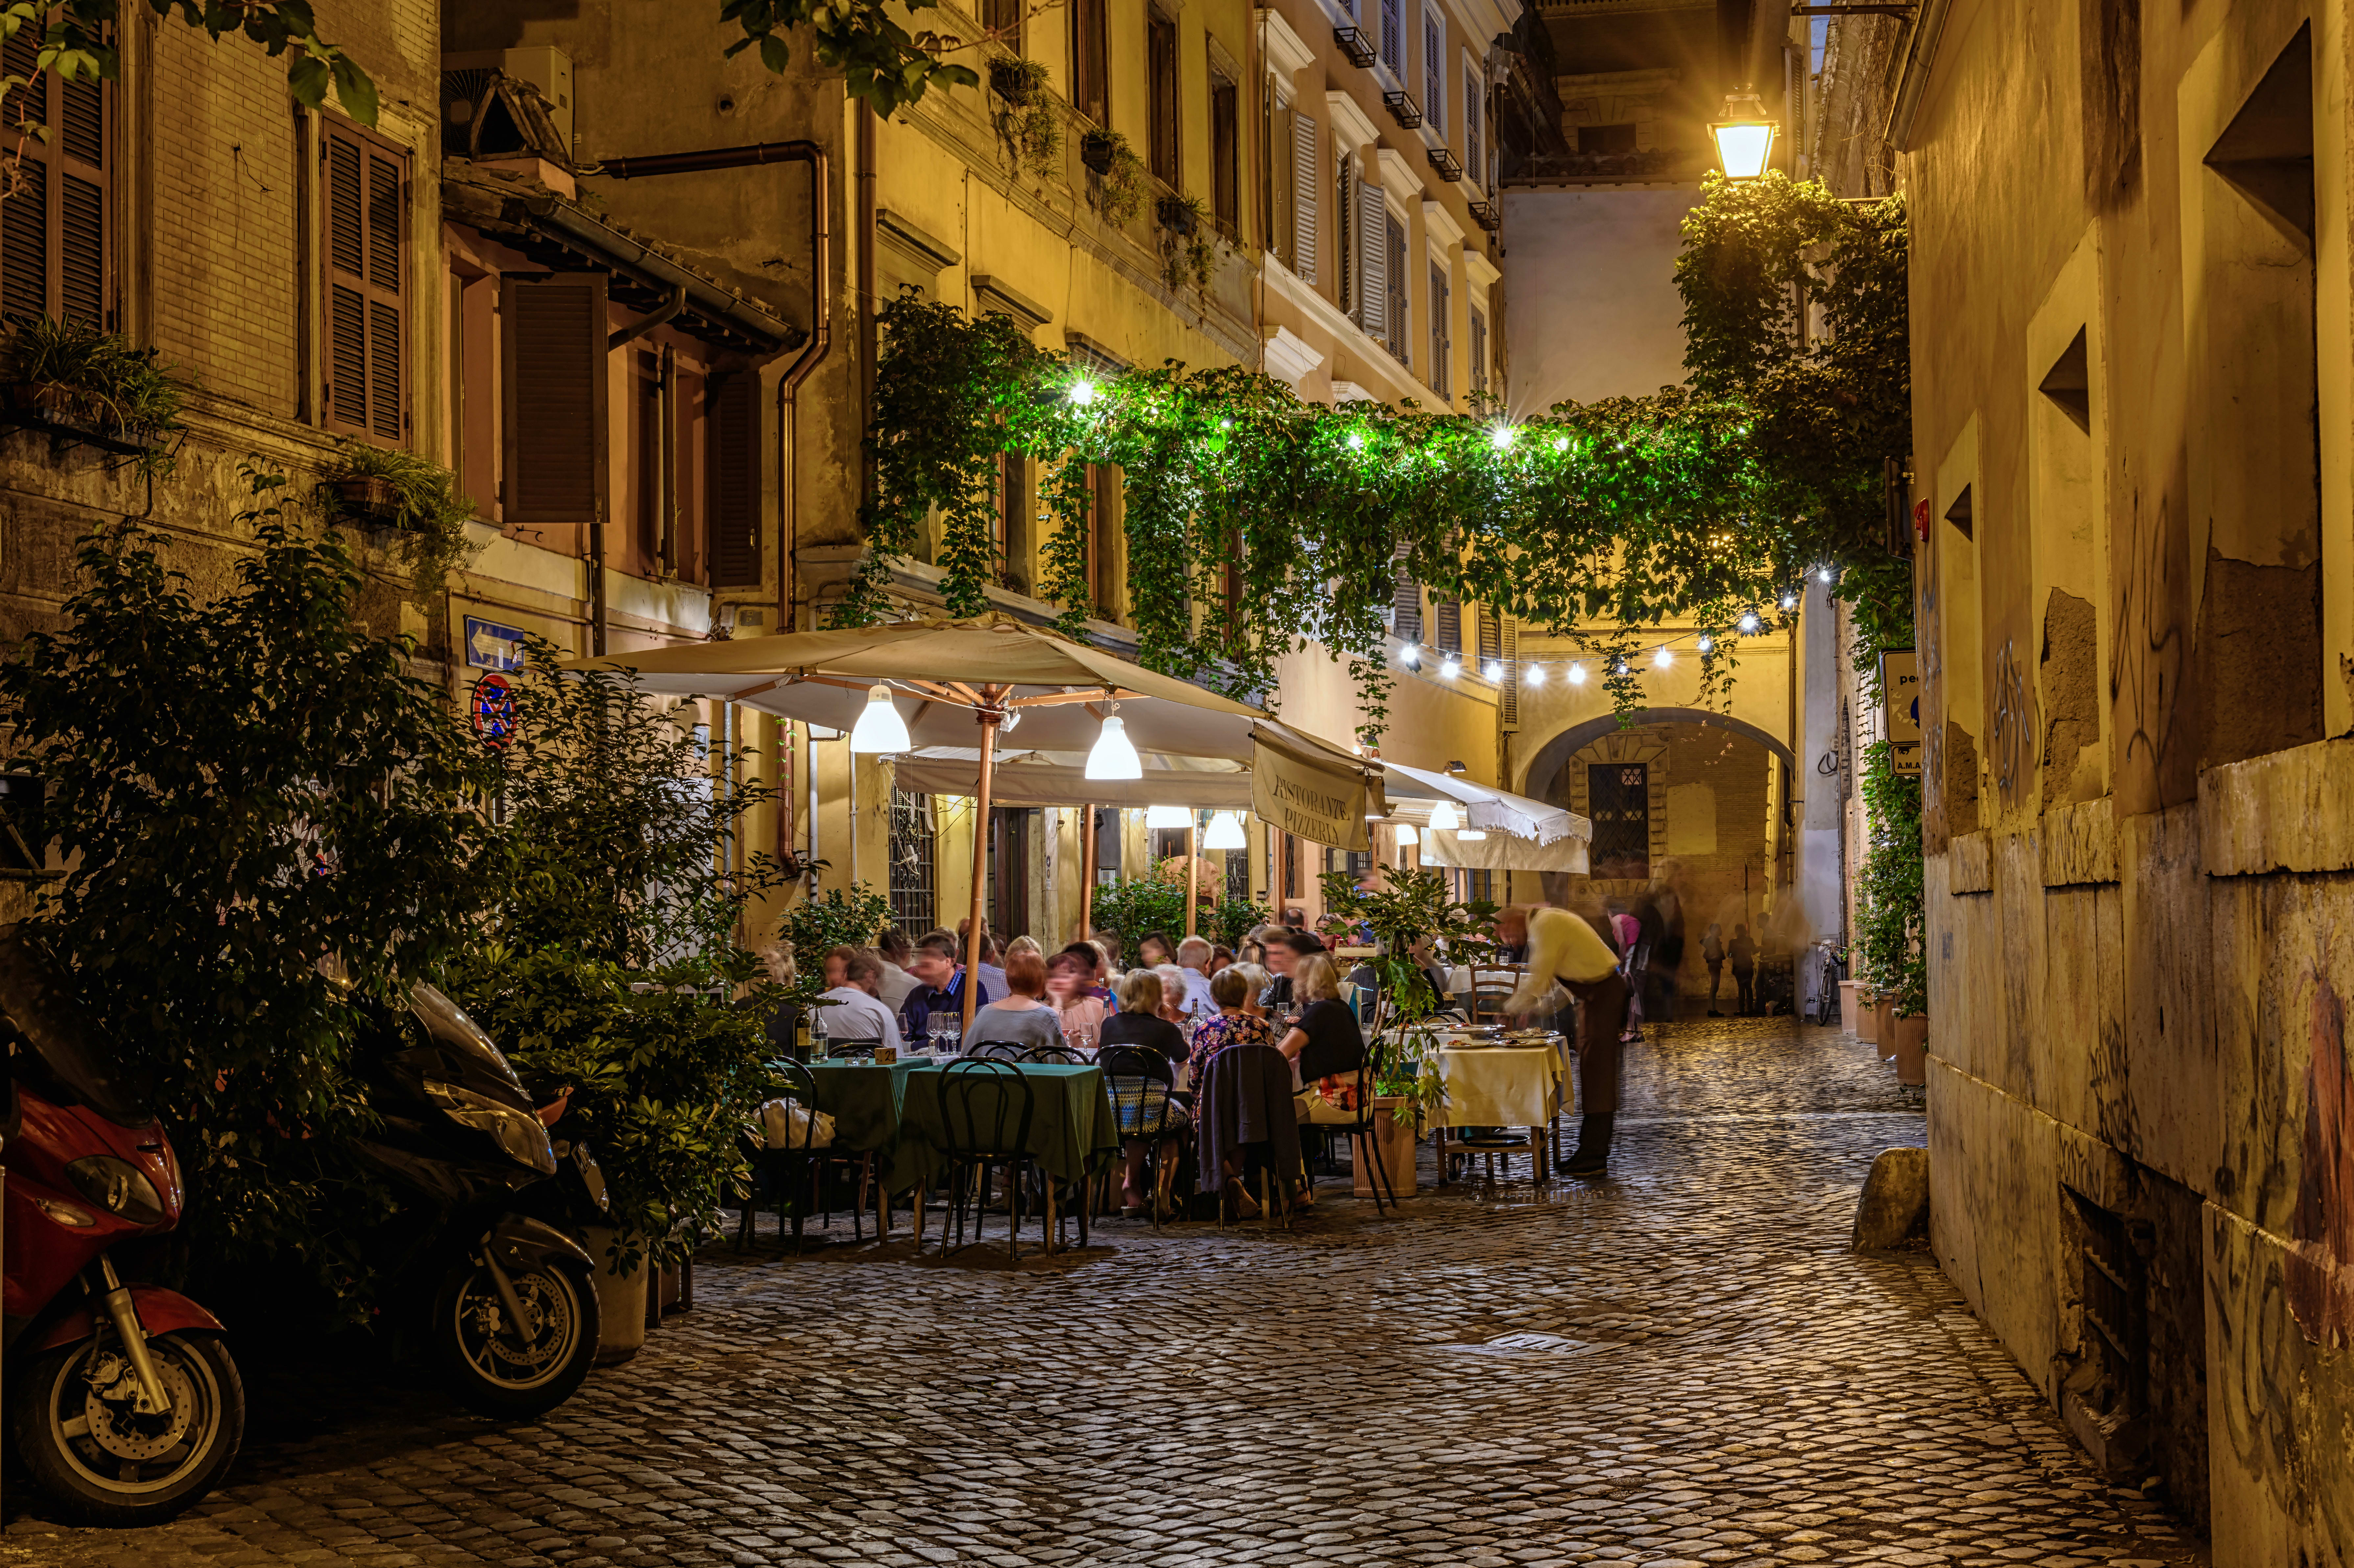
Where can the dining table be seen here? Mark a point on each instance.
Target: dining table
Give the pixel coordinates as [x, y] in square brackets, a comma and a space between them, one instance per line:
[1518, 1083]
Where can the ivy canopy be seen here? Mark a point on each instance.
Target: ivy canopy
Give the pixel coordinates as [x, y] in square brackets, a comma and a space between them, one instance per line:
[1257, 523]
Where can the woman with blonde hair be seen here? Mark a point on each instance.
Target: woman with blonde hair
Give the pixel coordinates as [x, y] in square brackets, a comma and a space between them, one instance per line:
[1326, 1041]
[1142, 1105]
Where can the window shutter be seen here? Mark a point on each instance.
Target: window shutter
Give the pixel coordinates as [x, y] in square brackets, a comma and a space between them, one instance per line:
[1345, 281]
[1447, 635]
[1491, 633]
[1394, 35]
[1434, 69]
[1478, 352]
[1303, 163]
[1475, 156]
[365, 182]
[1372, 260]
[1398, 279]
[1282, 181]
[736, 482]
[554, 398]
[1509, 700]
[1405, 601]
[53, 229]
[1440, 306]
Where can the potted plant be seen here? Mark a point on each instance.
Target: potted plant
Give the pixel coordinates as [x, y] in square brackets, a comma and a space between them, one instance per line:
[1099, 149]
[1018, 81]
[1028, 121]
[385, 487]
[82, 384]
[1118, 193]
[1182, 214]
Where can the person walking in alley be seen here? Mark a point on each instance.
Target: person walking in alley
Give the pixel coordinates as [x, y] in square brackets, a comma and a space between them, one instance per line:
[1711, 953]
[1743, 951]
[1565, 951]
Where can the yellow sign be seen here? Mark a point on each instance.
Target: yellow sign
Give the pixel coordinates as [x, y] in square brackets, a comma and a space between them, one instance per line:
[1310, 795]
[1899, 696]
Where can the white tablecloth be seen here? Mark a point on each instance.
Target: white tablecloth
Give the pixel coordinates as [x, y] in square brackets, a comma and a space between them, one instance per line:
[1501, 1086]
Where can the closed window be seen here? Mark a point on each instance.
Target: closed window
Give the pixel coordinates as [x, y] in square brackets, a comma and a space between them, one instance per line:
[1395, 275]
[1305, 186]
[1441, 350]
[553, 409]
[365, 197]
[1478, 352]
[1405, 601]
[1004, 19]
[1394, 37]
[1434, 69]
[54, 255]
[1605, 138]
[1475, 111]
[1161, 78]
[1103, 537]
[1447, 632]
[1014, 521]
[734, 414]
[1226, 154]
[1090, 60]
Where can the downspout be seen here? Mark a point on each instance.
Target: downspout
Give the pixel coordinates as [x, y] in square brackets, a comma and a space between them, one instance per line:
[789, 385]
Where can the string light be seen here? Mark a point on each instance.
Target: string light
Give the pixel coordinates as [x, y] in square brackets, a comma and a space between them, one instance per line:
[1450, 669]
[1225, 424]
[1356, 441]
[1533, 675]
[1502, 438]
[1663, 658]
[1561, 443]
[1495, 671]
[1749, 621]
[1083, 392]
[1825, 574]
[1789, 601]
[1411, 655]
[1577, 674]
[1706, 643]
[1622, 666]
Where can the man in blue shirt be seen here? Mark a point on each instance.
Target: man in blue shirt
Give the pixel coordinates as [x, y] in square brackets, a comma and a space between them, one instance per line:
[940, 985]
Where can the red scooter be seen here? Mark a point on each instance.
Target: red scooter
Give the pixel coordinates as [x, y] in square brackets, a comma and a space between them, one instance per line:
[124, 1404]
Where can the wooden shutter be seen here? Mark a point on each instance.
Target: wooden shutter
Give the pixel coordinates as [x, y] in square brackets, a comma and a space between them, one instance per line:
[1373, 262]
[1475, 109]
[1447, 635]
[735, 425]
[554, 333]
[1394, 37]
[1161, 76]
[1439, 307]
[1282, 181]
[54, 257]
[1398, 279]
[1434, 69]
[1305, 180]
[1508, 707]
[1406, 600]
[365, 194]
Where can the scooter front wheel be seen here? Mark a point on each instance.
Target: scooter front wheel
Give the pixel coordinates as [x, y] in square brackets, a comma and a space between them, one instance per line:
[104, 1460]
[504, 1367]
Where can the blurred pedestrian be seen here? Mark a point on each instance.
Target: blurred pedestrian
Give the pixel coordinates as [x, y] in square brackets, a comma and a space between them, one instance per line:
[1744, 954]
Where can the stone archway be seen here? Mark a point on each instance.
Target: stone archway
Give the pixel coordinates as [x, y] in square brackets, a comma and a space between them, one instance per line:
[1536, 780]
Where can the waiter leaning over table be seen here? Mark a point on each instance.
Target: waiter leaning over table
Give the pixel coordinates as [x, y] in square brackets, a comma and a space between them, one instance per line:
[1563, 947]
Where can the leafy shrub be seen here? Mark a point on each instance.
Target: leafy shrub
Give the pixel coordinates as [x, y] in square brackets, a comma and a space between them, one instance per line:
[428, 509]
[816, 926]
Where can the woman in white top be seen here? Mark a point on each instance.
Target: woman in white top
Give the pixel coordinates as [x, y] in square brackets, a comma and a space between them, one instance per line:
[1021, 1018]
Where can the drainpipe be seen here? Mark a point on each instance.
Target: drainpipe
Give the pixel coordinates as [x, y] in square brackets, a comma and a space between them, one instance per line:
[820, 339]
[866, 350]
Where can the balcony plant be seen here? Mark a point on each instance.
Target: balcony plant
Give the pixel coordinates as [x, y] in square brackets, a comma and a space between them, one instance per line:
[81, 383]
[417, 498]
[1028, 120]
[1118, 190]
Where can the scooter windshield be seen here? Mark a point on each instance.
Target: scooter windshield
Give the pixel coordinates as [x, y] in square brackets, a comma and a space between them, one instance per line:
[448, 1022]
[71, 1049]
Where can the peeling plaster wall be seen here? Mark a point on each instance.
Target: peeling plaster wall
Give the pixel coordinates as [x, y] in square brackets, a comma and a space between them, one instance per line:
[2134, 640]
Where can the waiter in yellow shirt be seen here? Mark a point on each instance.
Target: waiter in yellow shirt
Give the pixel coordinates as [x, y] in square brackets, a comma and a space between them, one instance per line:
[1561, 948]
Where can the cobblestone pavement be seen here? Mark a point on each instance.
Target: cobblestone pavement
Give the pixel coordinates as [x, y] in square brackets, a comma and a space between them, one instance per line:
[1679, 1365]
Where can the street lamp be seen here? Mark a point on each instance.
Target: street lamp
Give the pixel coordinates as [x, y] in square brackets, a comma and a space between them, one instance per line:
[1744, 136]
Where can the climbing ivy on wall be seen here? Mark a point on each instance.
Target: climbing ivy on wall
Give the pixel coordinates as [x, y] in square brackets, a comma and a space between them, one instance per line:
[1257, 523]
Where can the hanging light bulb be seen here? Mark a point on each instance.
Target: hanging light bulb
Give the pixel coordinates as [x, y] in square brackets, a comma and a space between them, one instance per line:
[1789, 601]
[1577, 675]
[1707, 643]
[1225, 832]
[1083, 392]
[1663, 658]
[1450, 669]
[1824, 575]
[1406, 835]
[1114, 756]
[1411, 654]
[1356, 441]
[880, 728]
[1501, 437]
[1533, 675]
[1494, 672]
[1443, 819]
[1749, 621]
[1622, 666]
[1168, 817]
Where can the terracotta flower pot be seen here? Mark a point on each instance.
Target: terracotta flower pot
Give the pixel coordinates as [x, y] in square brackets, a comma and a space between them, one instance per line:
[621, 1302]
[1883, 1028]
[1912, 1050]
[1865, 1019]
[1397, 1145]
[365, 495]
[1850, 1010]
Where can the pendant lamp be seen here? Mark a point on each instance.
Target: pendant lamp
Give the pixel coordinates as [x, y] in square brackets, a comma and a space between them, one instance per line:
[880, 728]
[1443, 819]
[1225, 832]
[1168, 817]
[1114, 756]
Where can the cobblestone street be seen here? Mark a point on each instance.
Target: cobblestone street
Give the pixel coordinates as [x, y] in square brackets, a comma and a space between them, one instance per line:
[1679, 1365]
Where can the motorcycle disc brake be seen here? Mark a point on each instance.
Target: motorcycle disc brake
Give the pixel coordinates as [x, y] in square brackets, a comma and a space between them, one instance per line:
[112, 1406]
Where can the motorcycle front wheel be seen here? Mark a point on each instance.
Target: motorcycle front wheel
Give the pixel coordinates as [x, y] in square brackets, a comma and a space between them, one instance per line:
[516, 1370]
[104, 1461]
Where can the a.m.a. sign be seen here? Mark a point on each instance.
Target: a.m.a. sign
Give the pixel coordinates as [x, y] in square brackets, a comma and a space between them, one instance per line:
[1900, 717]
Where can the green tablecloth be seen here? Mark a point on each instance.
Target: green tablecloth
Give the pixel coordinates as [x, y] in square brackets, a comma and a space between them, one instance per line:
[864, 1100]
[1071, 1121]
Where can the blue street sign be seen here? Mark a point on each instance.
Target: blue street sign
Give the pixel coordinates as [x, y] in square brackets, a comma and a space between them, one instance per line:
[489, 646]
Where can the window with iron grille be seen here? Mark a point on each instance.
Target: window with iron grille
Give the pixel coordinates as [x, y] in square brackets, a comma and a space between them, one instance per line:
[914, 907]
[54, 251]
[364, 199]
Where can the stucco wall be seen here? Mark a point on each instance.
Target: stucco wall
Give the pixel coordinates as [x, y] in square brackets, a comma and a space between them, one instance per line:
[1594, 308]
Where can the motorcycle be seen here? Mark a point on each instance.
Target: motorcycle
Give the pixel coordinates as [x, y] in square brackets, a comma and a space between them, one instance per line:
[122, 1399]
[508, 1292]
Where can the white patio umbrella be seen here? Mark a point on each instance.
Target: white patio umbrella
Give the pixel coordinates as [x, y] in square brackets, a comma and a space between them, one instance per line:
[1522, 834]
[945, 679]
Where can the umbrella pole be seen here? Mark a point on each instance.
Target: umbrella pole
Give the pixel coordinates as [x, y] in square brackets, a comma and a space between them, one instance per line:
[990, 719]
[1192, 871]
[1087, 871]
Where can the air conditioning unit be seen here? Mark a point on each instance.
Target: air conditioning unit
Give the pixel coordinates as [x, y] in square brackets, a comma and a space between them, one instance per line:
[546, 68]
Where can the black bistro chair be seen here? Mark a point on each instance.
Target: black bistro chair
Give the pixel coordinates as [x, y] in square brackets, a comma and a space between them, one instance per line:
[1364, 1140]
[793, 1176]
[1143, 1083]
[1058, 1056]
[986, 1106]
[852, 1050]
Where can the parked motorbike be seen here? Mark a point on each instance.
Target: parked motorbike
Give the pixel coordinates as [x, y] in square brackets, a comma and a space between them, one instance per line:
[489, 1247]
[123, 1402]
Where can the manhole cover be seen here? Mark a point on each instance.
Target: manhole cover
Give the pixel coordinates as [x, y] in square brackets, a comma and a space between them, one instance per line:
[1527, 1344]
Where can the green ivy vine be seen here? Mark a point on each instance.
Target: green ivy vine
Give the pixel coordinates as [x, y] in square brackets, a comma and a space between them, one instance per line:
[1258, 524]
